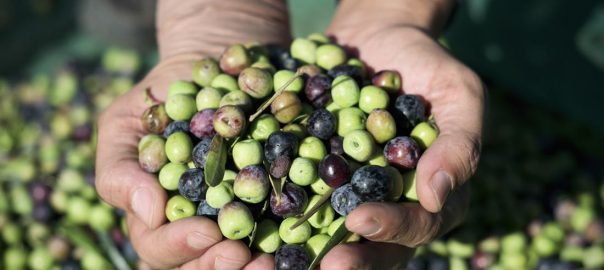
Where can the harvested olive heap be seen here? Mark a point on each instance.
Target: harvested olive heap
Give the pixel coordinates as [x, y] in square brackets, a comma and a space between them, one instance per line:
[50, 214]
[280, 145]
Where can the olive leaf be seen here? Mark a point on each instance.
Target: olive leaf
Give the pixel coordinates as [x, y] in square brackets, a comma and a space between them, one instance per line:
[324, 198]
[253, 235]
[337, 237]
[216, 161]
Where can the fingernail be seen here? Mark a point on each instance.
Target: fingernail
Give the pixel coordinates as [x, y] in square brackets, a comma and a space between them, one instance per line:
[142, 205]
[366, 228]
[441, 186]
[199, 241]
[225, 264]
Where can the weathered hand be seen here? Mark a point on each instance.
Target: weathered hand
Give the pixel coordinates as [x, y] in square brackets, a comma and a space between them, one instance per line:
[195, 242]
[186, 30]
[456, 97]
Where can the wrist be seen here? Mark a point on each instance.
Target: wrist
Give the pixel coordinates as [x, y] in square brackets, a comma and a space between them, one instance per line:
[358, 19]
[206, 27]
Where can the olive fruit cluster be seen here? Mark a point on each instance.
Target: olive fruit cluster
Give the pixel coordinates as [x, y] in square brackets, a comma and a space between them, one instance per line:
[278, 145]
[50, 214]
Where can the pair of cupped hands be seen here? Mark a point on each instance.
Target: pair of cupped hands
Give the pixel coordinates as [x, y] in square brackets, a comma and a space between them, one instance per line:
[456, 97]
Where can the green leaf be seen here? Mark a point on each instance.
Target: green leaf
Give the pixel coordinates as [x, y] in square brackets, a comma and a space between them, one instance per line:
[216, 161]
[336, 239]
[253, 235]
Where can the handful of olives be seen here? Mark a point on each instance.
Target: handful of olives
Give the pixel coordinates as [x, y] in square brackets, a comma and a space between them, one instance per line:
[278, 145]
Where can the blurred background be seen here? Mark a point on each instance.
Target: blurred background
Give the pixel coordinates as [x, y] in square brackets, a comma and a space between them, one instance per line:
[538, 194]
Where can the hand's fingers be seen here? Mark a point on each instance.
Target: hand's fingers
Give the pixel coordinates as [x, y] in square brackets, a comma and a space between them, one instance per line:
[174, 243]
[261, 261]
[400, 223]
[407, 224]
[226, 255]
[369, 255]
[454, 155]
[122, 183]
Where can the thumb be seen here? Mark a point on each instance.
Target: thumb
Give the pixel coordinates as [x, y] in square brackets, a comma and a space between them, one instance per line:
[447, 164]
[453, 156]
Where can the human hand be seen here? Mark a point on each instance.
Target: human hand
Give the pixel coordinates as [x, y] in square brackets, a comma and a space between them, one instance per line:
[187, 31]
[193, 243]
[456, 97]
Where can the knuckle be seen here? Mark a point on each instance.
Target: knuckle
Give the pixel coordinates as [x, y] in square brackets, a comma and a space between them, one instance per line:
[102, 185]
[472, 82]
[394, 227]
[417, 231]
[428, 232]
[142, 253]
[101, 188]
[393, 234]
[466, 154]
[109, 187]
[104, 189]
[149, 253]
[471, 143]
[473, 148]
[432, 231]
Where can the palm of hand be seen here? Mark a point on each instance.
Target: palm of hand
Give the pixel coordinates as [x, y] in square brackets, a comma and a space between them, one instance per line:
[192, 243]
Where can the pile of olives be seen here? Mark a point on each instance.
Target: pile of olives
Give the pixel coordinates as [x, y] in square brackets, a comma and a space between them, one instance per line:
[278, 145]
[50, 214]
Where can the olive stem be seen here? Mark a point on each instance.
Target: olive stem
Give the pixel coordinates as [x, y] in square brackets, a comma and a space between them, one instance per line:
[277, 189]
[252, 236]
[324, 198]
[150, 98]
[277, 93]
